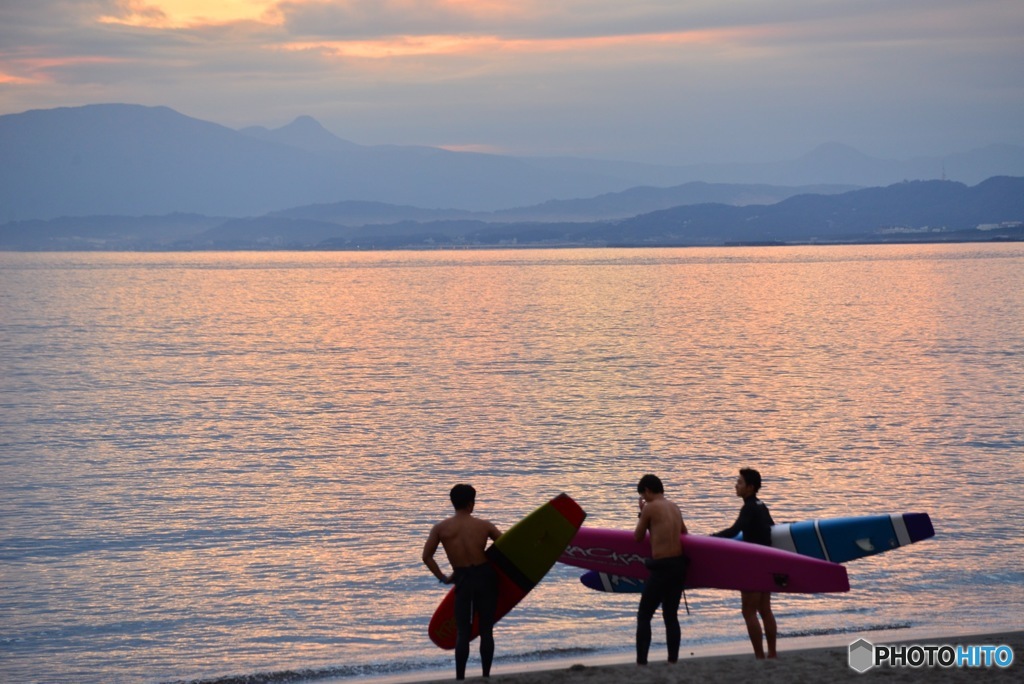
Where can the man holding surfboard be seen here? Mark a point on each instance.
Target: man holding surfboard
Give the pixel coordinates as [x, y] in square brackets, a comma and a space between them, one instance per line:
[755, 522]
[662, 518]
[464, 539]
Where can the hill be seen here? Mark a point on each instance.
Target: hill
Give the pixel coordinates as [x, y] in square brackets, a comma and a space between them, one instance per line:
[934, 210]
[130, 160]
[911, 211]
[921, 211]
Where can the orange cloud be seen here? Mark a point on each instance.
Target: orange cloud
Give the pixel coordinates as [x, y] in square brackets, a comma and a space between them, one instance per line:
[174, 14]
[8, 79]
[166, 14]
[37, 70]
[402, 46]
[413, 46]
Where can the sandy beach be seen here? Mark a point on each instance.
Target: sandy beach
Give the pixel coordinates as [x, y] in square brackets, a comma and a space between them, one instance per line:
[796, 664]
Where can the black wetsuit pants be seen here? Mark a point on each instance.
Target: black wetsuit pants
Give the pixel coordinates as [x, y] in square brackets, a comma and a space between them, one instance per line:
[476, 591]
[665, 588]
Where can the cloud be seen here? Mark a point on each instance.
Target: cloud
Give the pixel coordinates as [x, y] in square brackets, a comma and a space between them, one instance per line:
[652, 79]
[172, 14]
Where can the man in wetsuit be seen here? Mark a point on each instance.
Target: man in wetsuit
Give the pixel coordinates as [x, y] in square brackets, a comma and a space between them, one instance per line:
[755, 522]
[662, 518]
[476, 584]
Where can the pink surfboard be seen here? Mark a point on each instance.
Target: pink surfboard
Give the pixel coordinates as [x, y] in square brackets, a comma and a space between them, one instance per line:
[715, 563]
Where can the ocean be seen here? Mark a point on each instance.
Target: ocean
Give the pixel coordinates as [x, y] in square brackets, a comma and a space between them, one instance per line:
[223, 466]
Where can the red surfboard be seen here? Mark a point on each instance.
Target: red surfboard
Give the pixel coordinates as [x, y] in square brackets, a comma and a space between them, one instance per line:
[521, 557]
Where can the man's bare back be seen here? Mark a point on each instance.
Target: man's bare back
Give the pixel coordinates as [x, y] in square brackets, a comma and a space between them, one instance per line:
[464, 539]
[665, 522]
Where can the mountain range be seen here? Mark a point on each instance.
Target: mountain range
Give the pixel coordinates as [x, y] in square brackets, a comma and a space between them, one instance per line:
[931, 211]
[133, 177]
[120, 159]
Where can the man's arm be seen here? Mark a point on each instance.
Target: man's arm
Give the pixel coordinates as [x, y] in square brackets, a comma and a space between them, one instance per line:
[433, 539]
[642, 525]
[737, 526]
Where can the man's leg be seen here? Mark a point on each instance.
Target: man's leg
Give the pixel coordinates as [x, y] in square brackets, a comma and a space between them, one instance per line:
[487, 608]
[751, 602]
[463, 628]
[670, 613]
[649, 601]
[768, 617]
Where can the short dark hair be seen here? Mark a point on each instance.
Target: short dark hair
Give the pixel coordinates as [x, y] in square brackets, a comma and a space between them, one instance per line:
[462, 496]
[752, 478]
[651, 482]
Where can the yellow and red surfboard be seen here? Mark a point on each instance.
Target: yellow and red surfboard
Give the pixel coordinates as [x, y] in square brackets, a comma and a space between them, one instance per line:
[521, 557]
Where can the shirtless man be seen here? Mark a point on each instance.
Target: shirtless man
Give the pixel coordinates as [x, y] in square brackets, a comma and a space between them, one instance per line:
[668, 565]
[476, 585]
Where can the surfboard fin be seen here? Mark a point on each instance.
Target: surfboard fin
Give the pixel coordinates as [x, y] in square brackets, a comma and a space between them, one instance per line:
[865, 545]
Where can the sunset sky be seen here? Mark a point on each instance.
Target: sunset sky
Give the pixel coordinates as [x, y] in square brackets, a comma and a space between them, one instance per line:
[665, 81]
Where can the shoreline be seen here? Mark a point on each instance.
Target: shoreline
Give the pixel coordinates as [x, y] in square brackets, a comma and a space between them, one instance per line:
[523, 246]
[801, 659]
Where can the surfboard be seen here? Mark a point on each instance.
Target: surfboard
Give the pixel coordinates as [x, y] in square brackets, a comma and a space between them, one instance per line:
[521, 556]
[845, 539]
[839, 540]
[715, 563]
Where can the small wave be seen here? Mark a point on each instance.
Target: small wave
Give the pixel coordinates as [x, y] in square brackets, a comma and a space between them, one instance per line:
[846, 630]
[378, 670]
[546, 654]
[308, 675]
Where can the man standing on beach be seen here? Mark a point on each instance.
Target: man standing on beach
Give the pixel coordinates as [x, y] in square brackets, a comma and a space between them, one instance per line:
[662, 518]
[464, 538]
[755, 522]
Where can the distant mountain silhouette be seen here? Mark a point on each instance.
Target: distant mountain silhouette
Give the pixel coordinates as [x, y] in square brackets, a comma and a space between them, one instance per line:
[910, 211]
[120, 159]
[125, 159]
[612, 205]
[836, 163]
[128, 159]
[926, 209]
[355, 213]
[643, 199]
[308, 225]
[305, 133]
[83, 233]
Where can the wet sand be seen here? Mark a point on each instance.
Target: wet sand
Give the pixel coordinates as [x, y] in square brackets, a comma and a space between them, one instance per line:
[796, 663]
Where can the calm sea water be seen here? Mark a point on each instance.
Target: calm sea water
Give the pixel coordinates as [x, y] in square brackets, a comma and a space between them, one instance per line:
[226, 464]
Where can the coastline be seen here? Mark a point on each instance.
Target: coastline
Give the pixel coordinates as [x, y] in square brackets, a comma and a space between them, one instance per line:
[801, 659]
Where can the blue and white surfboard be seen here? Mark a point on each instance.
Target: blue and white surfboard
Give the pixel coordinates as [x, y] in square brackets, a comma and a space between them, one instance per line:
[833, 539]
[845, 539]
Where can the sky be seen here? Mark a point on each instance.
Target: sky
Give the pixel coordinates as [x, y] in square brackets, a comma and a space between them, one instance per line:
[658, 81]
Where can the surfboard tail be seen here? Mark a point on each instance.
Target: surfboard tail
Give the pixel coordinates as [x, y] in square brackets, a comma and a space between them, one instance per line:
[919, 526]
[570, 510]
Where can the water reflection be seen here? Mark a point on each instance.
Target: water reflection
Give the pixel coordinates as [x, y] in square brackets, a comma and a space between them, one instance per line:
[231, 460]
